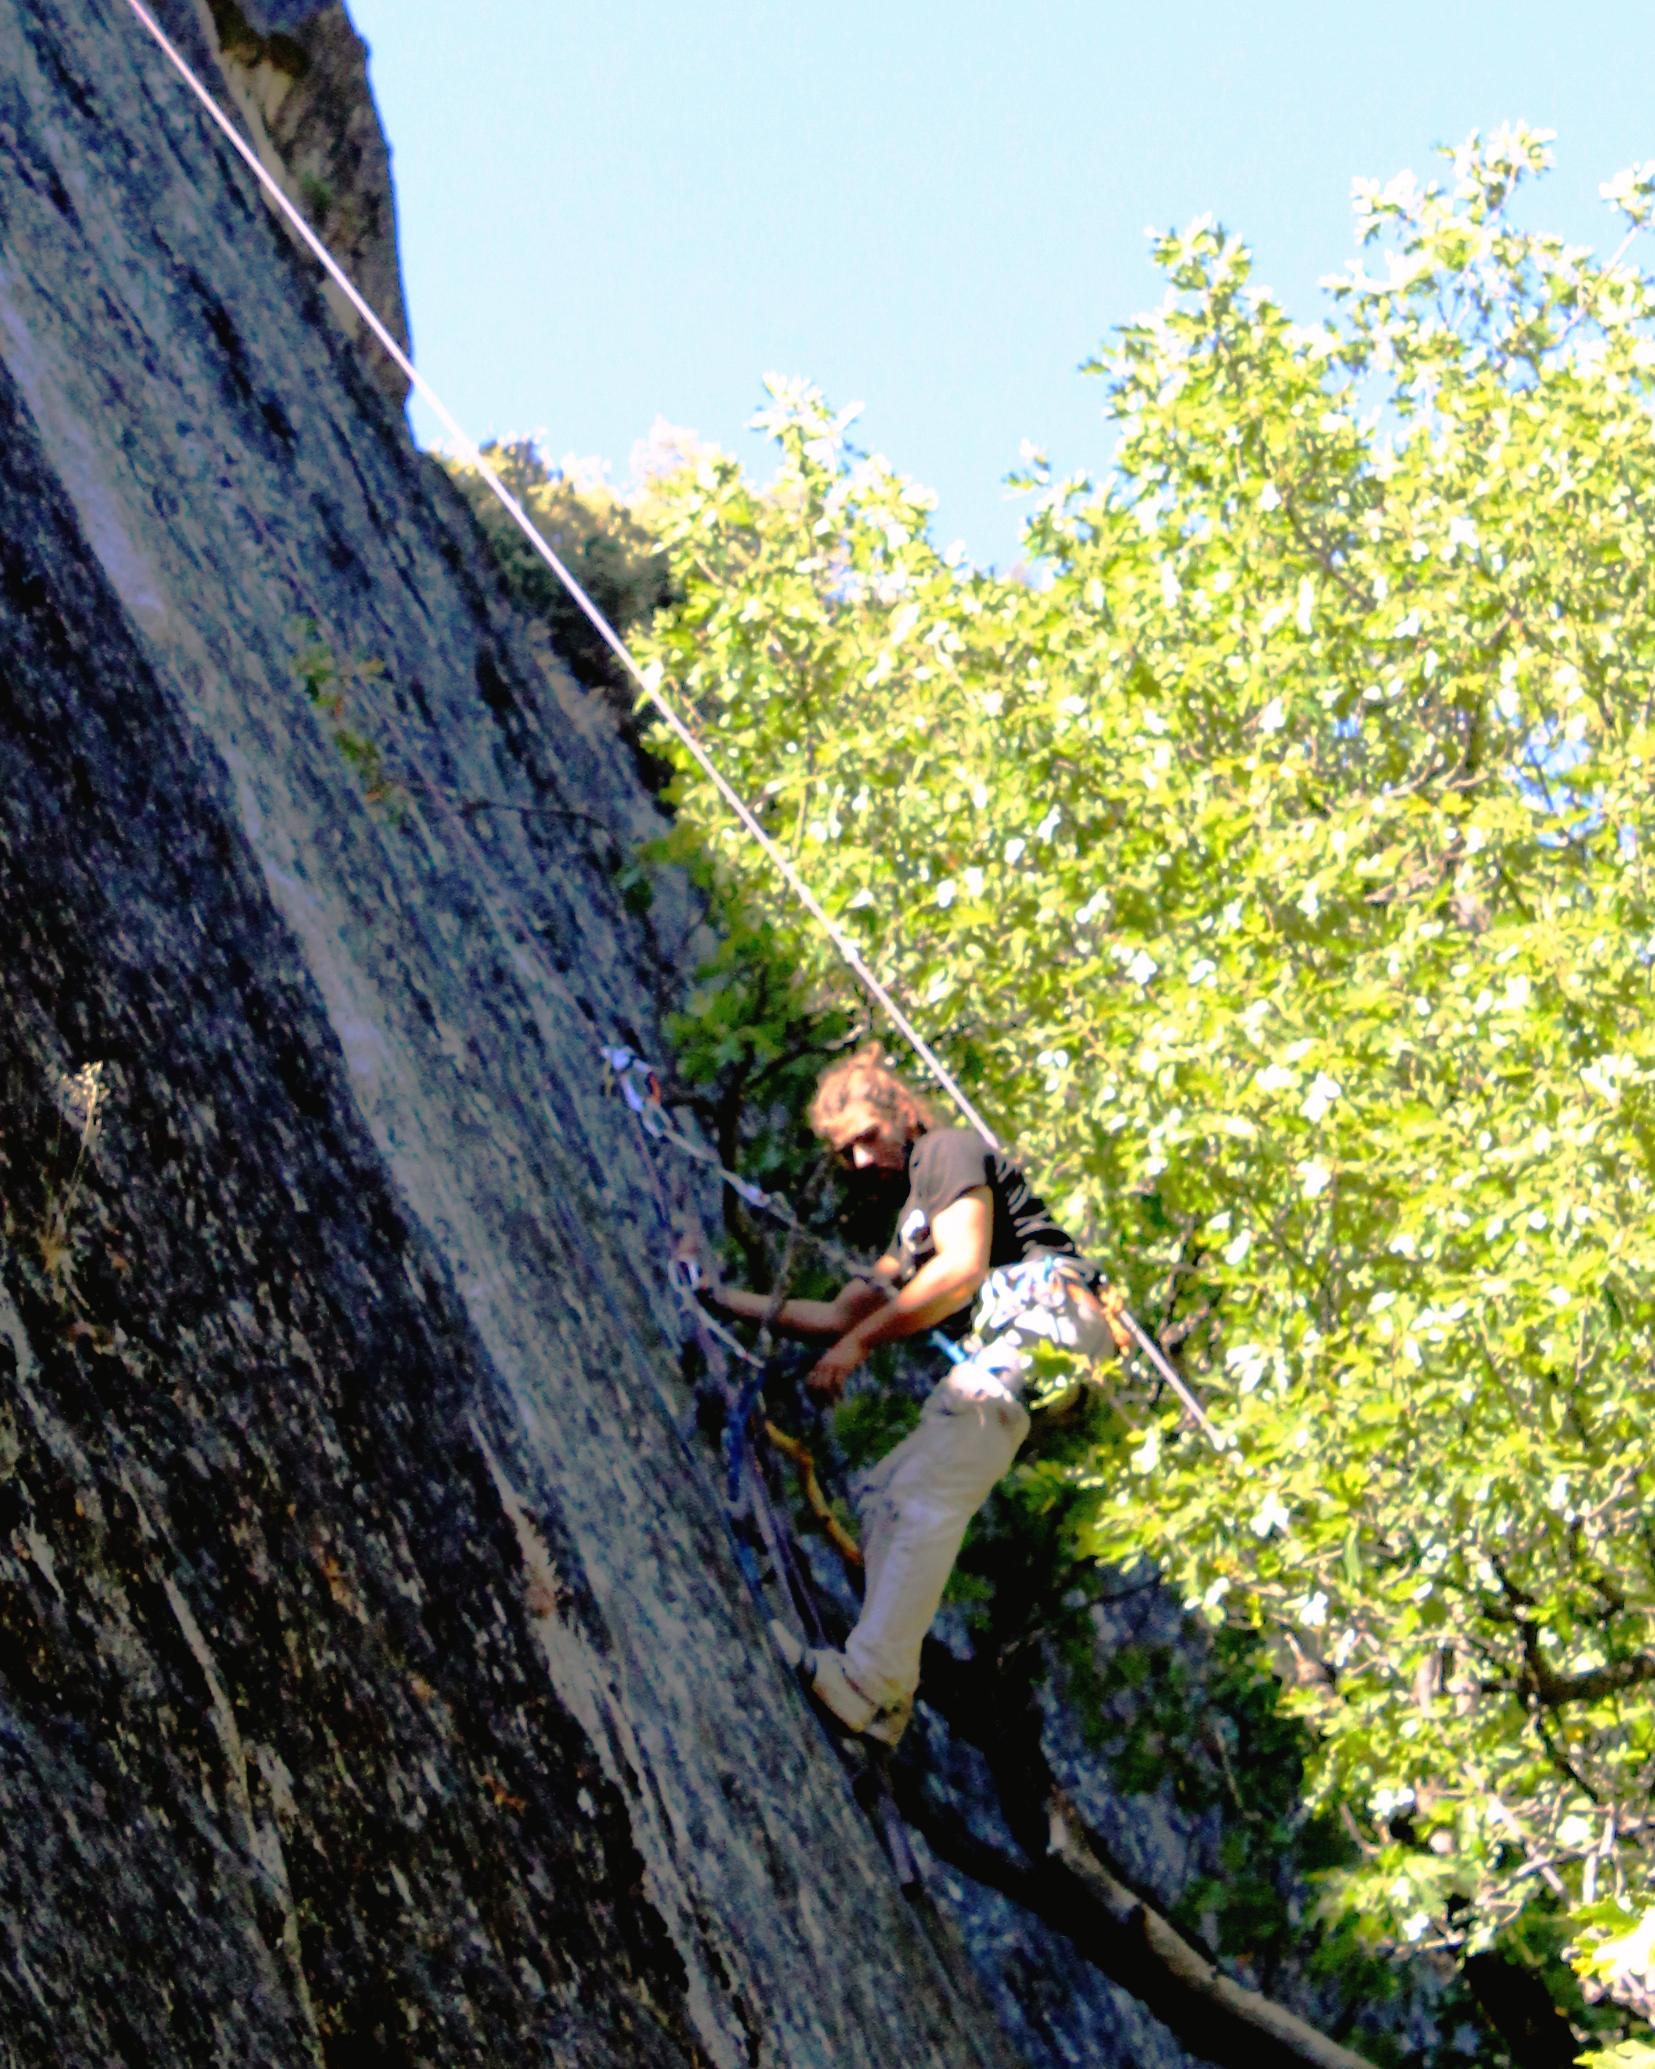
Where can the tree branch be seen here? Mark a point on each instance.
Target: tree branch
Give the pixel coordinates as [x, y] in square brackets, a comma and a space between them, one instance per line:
[1071, 1892]
[1060, 1876]
[1255, 2028]
[1554, 1689]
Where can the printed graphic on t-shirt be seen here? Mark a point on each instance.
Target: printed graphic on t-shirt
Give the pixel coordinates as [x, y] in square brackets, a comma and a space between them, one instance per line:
[913, 1240]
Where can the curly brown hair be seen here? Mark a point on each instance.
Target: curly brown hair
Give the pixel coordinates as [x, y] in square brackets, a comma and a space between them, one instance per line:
[864, 1078]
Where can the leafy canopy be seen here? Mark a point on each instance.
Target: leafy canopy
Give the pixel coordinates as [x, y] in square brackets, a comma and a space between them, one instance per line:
[1276, 870]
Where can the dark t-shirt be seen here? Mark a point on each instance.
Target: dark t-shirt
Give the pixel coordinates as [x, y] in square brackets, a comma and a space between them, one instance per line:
[948, 1162]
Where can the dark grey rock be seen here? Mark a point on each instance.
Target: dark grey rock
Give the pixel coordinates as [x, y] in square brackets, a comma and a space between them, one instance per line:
[375, 1682]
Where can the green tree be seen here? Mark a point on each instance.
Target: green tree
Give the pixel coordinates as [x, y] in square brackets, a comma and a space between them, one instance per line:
[1276, 870]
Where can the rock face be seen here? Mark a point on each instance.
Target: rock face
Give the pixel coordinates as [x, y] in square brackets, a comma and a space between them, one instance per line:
[298, 72]
[375, 1684]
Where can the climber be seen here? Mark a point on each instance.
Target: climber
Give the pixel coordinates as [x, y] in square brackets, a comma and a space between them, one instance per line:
[977, 1258]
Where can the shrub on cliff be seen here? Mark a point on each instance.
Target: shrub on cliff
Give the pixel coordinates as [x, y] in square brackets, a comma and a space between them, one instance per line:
[599, 539]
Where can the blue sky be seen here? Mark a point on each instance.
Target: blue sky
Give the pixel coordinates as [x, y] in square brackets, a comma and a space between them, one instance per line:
[610, 214]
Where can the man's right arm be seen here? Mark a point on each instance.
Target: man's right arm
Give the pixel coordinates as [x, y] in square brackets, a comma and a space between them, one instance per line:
[853, 1303]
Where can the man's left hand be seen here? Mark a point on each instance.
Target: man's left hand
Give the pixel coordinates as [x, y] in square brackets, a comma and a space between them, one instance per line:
[828, 1375]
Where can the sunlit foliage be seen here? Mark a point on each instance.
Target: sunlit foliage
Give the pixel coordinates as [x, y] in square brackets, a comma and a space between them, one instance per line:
[1275, 865]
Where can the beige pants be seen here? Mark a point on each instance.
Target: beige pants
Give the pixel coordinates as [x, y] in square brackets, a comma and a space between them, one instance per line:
[914, 1505]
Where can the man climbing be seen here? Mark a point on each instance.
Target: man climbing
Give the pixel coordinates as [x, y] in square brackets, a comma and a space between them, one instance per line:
[975, 1255]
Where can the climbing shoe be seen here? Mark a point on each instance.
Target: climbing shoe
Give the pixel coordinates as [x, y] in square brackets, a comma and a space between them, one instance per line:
[841, 1703]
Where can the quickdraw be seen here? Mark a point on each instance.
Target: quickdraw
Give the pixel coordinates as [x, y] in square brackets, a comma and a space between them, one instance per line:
[687, 1278]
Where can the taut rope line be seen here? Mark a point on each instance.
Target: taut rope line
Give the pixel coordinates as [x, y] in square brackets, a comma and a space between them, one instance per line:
[525, 524]
[469, 450]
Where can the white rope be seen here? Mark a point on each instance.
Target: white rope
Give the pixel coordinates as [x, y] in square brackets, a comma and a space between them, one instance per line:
[600, 624]
[469, 450]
